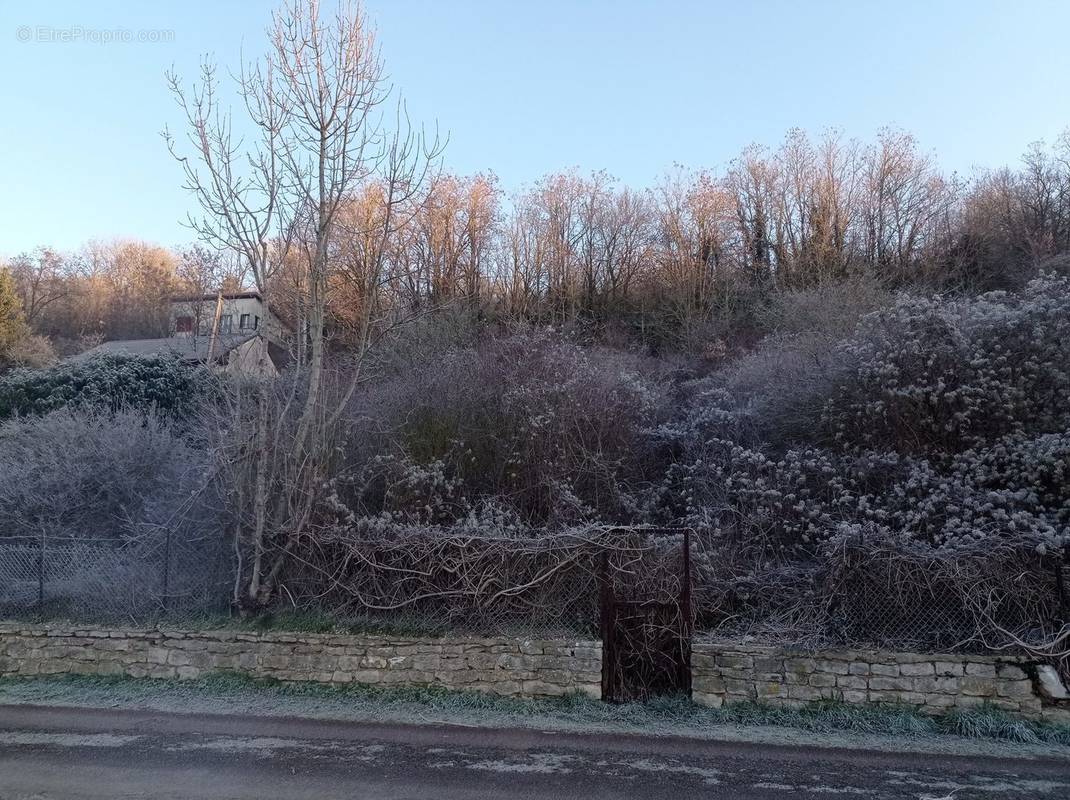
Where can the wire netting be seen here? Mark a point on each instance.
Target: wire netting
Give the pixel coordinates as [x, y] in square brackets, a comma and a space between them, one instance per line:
[865, 594]
[880, 595]
[111, 580]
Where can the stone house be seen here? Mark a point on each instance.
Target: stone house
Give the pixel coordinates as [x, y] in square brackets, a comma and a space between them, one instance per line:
[230, 332]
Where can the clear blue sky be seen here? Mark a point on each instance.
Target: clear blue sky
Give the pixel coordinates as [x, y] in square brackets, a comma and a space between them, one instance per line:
[524, 88]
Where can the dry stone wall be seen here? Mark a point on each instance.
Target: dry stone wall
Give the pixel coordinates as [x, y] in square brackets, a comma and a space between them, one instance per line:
[724, 673]
[504, 666]
[721, 672]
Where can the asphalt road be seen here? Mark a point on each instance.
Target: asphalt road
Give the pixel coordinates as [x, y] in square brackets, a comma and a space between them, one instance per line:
[48, 752]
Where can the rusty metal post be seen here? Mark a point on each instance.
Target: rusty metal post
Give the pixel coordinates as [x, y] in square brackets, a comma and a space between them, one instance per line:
[606, 620]
[41, 575]
[688, 612]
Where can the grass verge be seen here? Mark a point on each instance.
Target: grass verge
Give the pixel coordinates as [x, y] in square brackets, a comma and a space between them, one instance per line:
[662, 716]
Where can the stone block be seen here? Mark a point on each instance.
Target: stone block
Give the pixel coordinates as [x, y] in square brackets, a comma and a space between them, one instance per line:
[735, 661]
[177, 658]
[977, 686]
[884, 696]
[156, 655]
[805, 693]
[837, 655]
[588, 651]
[426, 662]
[1032, 706]
[708, 699]
[1011, 672]
[834, 667]
[949, 668]
[802, 665]
[704, 661]
[770, 689]
[918, 668]
[854, 696]
[822, 680]
[1021, 688]
[768, 665]
[541, 688]
[939, 702]
[877, 683]
[884, 670]
[1050, 683]
[913, 698]
[740, 687]
[707, 684]
[981, 669]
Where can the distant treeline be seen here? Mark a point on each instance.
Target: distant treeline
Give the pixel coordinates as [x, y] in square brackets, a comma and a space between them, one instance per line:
[675, 265]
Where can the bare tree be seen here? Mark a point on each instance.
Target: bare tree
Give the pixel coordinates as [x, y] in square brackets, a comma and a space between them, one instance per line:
[40, 280]
[315, 103]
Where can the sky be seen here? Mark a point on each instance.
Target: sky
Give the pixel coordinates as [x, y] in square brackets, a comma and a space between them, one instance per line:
[632, 87]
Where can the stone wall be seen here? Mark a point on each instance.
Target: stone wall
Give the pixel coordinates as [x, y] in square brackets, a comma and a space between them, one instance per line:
[721, 672]
[725, 673]
[504, 666]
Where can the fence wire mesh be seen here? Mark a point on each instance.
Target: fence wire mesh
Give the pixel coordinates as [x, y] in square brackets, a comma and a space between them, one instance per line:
[435, 581]
[139, 581]
[879, 595]
[430, 581]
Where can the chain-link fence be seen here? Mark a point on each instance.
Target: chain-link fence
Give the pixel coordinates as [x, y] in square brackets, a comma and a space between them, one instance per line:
[111, 580]
[881, 595]
[434, 581]
[866, 594]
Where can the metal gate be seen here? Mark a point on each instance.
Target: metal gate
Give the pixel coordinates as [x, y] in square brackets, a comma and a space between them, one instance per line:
[646, 616]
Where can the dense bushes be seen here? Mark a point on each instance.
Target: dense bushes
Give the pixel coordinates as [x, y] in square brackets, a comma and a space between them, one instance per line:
[523, 431]
[114, 382]
[935, 375]
[931, 432]
[944, 423]
[94, 473]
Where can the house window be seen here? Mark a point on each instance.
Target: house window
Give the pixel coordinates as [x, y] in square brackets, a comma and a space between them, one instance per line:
[184, 325]
[243, 321]
[225, 323]
[256, 323]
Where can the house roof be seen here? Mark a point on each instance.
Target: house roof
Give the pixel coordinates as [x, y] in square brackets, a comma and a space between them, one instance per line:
[188, 348]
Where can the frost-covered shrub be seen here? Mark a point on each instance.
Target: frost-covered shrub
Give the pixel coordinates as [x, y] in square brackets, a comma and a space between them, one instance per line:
[924, 376]
[772, 396]
[523, 429]
[793, 502]
[91, 473]
[830, 310]
[34, 352]
[108, 381]
[932, 375]
[1013, 491]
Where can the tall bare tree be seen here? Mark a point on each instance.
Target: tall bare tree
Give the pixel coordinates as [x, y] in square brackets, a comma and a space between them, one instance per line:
[316, 104]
